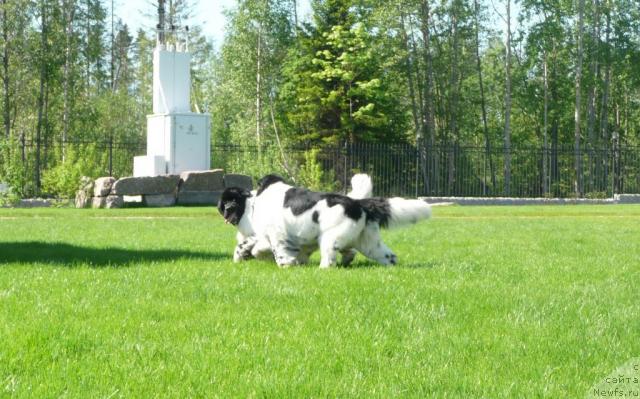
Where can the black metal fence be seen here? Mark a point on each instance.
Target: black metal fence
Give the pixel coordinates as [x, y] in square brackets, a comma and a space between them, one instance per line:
[404, 170]
[396, 169]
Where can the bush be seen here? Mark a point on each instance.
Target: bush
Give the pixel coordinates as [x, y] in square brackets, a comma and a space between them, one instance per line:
[63, 180]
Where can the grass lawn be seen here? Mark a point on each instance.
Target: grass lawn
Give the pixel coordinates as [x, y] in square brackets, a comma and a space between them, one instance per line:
[485, 302]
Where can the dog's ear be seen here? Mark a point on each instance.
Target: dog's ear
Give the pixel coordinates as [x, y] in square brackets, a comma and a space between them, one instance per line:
[245, 193]
[221, 206]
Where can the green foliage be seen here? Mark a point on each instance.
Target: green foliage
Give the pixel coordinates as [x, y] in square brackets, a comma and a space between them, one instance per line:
[311, 175]
[63, 180]
[337, 86]
[15, 171]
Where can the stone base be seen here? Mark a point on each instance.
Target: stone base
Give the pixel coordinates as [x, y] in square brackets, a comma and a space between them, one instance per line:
[627, 198]
[82, 199]
[208, 180]
[159, 200]
[110, 202]
[242, 181]
[146, 185]
[102, 186]
[199, 197]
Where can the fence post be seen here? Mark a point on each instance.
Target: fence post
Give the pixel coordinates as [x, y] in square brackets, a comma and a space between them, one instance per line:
[345, 154]
[110, 155]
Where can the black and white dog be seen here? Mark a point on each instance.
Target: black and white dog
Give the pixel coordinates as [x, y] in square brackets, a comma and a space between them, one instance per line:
[237, 207]
[292, 221]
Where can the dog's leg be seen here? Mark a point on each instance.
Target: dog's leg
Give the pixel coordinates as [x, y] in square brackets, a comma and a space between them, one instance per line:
[286, 253]
[347, 256]
[371, 245]
[339, 238]
[330, 245]
[305, 253]
[262, 248]
[243, 249]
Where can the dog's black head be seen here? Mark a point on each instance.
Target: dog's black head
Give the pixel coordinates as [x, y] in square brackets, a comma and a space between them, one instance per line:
[232, 204]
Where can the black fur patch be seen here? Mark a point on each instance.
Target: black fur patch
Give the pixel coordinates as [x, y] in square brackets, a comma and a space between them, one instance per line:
[377, 210]
[315, 216]
[351, 207]
[232, 204]
[301, 200]
[266, 181]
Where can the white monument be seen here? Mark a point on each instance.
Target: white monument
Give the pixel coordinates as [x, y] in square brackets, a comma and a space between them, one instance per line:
[178, 140]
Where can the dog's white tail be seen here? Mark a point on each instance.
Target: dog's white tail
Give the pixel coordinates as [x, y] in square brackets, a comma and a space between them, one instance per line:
[407, 211]
[395, 212]
[361, 186]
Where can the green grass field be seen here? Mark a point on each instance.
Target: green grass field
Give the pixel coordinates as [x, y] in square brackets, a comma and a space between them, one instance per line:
[485, 302]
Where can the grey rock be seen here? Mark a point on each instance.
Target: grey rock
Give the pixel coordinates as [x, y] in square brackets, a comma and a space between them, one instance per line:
[242, 181]
[627, 198]
[102, 186]
[82, 200]
[146, 185]
[34, 203]
[114, 201]
[110, 202]
[99, 202]
[159, 200]
[86, 184]
[208, 180]
[199, 197]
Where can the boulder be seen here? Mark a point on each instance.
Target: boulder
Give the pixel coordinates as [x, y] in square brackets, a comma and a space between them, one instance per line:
[102, 186]
[159, 200]
[110, 202]
[234, 180]
[199, 197]
[146, 185]
[83, 200]
[86, 184]
[114, 201]
[84, 193]
[208, 180]
[98, 202]
[627, 198]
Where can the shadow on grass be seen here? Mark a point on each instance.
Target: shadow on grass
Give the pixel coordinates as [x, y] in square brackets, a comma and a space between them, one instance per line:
[73, 255]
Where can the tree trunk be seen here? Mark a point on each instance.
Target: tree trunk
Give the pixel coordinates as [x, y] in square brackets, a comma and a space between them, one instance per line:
[591, 101]
[69, 14]
[295, 17]
[43, 78]
[5, 70]
[545, 143]
[428, 123]
[578, 184]
[453, 107]
[507, 108]
[258, 84]
[485, 128]
[604, 114]
[409, 73]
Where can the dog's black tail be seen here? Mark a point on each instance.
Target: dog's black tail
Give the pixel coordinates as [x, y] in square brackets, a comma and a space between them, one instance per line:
[395, 212]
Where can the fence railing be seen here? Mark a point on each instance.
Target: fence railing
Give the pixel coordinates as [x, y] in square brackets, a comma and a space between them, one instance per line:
[403, 169]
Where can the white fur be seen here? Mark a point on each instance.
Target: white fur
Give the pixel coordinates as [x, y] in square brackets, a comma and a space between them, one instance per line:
[335, 232]
[404, 211]
[361, 186]
[261, 218]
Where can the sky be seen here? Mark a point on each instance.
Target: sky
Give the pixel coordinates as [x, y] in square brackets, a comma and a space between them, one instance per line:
[208, 14]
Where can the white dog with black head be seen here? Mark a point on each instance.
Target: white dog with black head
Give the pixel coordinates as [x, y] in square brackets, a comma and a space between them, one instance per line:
[237, 206]
[290, 220]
